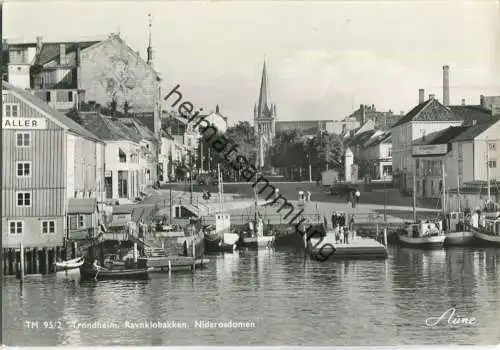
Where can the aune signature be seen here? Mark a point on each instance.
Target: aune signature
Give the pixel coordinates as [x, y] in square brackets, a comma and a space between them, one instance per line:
[451, 318]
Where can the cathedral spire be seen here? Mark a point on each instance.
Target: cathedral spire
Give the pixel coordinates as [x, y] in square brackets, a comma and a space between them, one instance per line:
[150, 47]
[263, 107]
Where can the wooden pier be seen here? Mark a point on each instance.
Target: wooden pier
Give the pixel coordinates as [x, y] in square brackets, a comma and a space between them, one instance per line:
[31, 260]
[355, 248]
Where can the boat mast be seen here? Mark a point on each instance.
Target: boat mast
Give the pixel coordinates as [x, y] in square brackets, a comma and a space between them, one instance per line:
[219, 179]
[488, 170]
[458, 193]
[414, 191]
[443, 204]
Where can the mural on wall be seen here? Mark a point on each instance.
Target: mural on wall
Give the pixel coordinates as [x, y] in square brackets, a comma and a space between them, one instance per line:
[122, 79]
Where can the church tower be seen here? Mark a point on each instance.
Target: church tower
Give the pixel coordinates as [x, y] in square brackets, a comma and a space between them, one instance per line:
[264, 115]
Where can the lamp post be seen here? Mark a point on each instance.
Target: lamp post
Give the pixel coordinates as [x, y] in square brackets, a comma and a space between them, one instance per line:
[385, 197]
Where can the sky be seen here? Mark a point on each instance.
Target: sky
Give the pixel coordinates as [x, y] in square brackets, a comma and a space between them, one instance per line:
[324, 59]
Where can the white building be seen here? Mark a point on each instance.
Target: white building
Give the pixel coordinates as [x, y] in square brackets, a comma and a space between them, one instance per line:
[426, 118]
[378, 151]
[217, 119]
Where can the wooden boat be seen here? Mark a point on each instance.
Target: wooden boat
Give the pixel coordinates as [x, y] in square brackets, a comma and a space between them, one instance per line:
[69, 264]
[459, 233]
[129, 274]
[425, 235]
[257, 242]
[488, 235]
[88, 271]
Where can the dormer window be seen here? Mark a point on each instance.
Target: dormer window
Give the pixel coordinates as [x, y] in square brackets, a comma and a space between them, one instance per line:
[122, 156]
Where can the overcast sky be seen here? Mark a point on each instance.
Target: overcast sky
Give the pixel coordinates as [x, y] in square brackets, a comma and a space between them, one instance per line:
[323, 58]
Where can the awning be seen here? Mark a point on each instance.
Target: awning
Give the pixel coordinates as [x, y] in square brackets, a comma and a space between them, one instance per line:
[82, 205]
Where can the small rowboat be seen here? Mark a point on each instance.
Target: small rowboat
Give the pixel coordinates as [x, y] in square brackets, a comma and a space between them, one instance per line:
[69, 264]
[130, 274]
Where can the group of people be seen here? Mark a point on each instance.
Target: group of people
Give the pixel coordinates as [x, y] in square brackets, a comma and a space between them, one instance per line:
[304, 196]
[340, 227]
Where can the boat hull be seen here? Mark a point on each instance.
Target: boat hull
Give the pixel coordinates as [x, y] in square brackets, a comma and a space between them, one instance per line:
[131, 274]
[459, 238]
[212, 243]
[69, 265]
[428, 242]
[261, 242]
[486, 238]
[88, 273]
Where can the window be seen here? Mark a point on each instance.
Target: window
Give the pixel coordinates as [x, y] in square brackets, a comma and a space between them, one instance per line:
[389, 152]
[16, 227]
[70, 96]
[23, 169]
[492, 146]
[492, 163]
[47, 96]
[48, 227]
[122, 184]
[23, 139]
[11, 110]
[80, 221]
[23, 199]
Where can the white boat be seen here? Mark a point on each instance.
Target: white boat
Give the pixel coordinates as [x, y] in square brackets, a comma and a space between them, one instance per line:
[258, 242]
[490, 233]
[219, 238]
[425, 235]
[69, 264]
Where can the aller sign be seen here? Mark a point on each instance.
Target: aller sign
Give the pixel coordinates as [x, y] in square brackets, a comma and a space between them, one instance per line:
[430, 150]
[24, 123]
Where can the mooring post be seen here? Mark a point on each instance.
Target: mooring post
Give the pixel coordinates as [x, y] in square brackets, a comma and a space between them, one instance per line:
[12, 260]
[21, 267]
[27, 264]
[378, 232]
[46, 260]
[194, 255]
[36, 261]
[385, 236]
[4, 261]
[135, 253]
[75, 250]
[169, 267]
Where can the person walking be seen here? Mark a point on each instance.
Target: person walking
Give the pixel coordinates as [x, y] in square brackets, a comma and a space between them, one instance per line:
[341, 236]
[346, 235]
[308, 196]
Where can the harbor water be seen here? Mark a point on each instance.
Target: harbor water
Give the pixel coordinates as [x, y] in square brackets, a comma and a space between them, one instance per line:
[269, 298]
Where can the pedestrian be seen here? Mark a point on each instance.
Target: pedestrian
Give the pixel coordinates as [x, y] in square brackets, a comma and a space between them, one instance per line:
[334, 220]
[346, 235]
[308, 196]
[342, 220]
[341, 236]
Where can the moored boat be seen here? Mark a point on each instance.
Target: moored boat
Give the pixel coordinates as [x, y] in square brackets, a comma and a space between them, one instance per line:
[424, 235]
[69, 264]
[130, 274]
[257, 242]
[229, 242]
[459, 233]
[89, 270]
[489, 233]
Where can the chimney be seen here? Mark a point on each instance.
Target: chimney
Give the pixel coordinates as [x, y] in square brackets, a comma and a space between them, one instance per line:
[62, 54]
[463, 102]
[363, 113]
[217, 109]
[421, 96]
[373, 107]
[432, 97]
[39, 44]
[446, 85]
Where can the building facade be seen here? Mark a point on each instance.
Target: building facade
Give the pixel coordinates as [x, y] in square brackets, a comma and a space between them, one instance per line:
[427, 117]
[42, 153]
[65, 74]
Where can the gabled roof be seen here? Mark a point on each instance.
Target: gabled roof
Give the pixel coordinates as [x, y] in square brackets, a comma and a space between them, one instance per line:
[141, 129]
[469, 113]
[441, 137]
[386, 137]
[61, 118]
[108, 128]
[50, 51]
[359, 139]
[474, 131]
[430, 110]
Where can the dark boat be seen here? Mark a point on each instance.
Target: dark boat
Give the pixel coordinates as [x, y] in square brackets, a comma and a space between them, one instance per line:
[130, 274]
[212, 242]
[88, 271]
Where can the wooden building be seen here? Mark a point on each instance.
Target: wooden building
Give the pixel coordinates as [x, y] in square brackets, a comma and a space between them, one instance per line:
[41, 152]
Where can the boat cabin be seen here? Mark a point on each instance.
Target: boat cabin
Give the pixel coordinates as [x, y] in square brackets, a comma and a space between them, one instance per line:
[492, 226]
[424, 229]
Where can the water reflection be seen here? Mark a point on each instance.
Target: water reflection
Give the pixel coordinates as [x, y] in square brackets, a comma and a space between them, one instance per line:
[292, 300]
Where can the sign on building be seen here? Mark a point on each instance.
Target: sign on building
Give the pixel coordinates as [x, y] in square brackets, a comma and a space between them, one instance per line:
[429, 150]
[24, 123]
